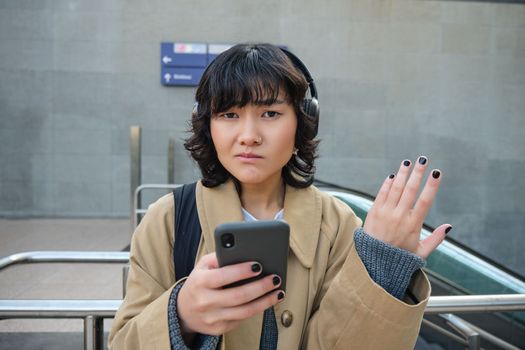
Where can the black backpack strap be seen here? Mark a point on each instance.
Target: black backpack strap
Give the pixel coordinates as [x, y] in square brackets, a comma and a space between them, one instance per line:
[187, 230]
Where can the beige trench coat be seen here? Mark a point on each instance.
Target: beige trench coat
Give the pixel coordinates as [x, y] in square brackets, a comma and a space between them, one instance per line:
[333, 302]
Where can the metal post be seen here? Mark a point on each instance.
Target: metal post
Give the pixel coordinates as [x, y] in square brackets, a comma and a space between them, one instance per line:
[135, 167]
[171, 160]
[472, 337]
[93, 333]
[474, 342]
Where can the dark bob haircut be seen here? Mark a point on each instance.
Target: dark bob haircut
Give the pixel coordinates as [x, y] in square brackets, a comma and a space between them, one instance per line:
[250, 74]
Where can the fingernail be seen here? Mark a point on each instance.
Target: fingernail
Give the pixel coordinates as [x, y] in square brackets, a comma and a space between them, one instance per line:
[256, 267]
[276, 280]
[280, 296]
[447, 230]
[422, 160]
[391, 176]
[406, 162]
[436, 174]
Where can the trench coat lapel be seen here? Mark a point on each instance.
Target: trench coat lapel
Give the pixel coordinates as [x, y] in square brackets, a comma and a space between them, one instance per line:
[302, 211]
[216, 206]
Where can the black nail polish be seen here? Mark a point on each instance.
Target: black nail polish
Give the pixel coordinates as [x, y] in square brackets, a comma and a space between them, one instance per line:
[422, 160]
[391, 176]
[436, 174]
[280, 296]
[276, 280]
[447, 230]
[406, 163]
[256, 267]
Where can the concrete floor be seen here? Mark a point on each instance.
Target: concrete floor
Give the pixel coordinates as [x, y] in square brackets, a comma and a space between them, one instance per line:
[58, 281]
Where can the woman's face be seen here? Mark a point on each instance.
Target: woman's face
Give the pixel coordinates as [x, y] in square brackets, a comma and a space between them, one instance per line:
[255, 142]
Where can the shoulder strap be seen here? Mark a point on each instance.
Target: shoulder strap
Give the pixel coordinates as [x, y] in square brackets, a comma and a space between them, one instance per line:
[187, 230]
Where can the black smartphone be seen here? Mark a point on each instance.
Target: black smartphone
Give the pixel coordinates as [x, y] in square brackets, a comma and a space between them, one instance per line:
[266, 242]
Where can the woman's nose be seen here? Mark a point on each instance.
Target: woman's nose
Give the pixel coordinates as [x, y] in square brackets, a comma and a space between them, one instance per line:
[249, 134]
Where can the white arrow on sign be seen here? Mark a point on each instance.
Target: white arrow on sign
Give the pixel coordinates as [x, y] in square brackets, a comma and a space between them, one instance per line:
[167, 77]
[166, 59]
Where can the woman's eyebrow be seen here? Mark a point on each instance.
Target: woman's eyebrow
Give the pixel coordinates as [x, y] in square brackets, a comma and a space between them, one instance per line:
[269, 102]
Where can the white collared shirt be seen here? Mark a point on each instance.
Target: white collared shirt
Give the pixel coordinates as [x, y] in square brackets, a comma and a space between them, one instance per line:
[249, 217]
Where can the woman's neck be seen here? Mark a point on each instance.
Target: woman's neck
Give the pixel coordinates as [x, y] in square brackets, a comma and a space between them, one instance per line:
[263, 201]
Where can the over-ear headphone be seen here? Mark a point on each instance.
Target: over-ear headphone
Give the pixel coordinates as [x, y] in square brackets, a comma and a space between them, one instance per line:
[310, 105]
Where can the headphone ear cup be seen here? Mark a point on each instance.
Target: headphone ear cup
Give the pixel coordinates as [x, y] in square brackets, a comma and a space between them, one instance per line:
[311, 109]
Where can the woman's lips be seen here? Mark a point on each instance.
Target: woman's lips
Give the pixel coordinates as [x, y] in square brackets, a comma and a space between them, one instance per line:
[248, 157]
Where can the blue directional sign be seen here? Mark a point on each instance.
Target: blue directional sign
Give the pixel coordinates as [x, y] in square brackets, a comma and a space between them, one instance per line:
[183, 54]
[181, 76]
[182, 63]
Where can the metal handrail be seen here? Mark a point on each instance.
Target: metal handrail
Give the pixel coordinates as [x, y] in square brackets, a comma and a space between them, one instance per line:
[136, 210]
[92, 311]
[443, 331]
[483, 333]
[436, 304]
[31, 308]
[472, 335]
[57, 256]
[475, 303]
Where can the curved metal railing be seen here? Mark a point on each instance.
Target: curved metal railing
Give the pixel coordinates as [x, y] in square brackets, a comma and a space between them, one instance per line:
[475, 303]
[94, 311]
[57, 256]
[136, 212]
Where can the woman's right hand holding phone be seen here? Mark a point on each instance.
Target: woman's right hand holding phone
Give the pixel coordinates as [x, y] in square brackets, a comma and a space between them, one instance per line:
[205, 306]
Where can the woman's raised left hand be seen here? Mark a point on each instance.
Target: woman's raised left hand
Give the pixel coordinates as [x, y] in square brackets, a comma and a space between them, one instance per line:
[398, 213]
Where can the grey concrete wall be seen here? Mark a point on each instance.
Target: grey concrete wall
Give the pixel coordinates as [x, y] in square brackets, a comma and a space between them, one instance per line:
[396, 79]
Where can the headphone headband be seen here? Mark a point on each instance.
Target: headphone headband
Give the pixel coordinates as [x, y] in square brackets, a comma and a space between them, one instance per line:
[310, 105]
[302, 67]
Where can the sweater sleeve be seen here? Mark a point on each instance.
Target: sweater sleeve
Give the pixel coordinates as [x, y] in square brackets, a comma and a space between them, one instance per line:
[389, 266]
[202, 341]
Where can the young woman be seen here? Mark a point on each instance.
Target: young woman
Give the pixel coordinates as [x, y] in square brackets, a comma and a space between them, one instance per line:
[347, 285]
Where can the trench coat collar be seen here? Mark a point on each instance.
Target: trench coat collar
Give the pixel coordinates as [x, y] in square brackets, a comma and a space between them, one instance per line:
[302, 211]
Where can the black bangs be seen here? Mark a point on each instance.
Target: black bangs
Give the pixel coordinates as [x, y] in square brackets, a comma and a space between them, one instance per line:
[234, 90]
[252, 75]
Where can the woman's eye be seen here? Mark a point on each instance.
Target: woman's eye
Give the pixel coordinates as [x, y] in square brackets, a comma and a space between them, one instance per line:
[229, 115]
[271, 114]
